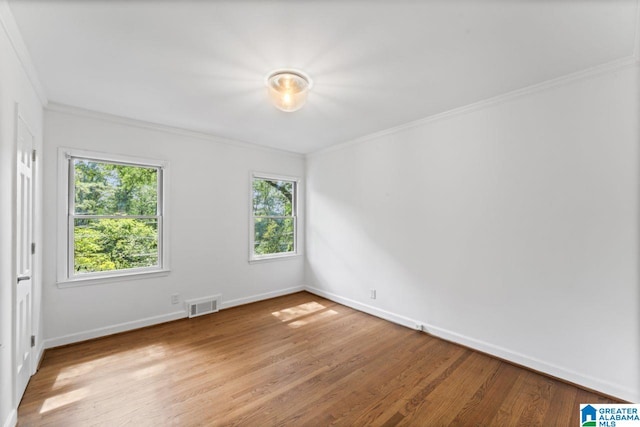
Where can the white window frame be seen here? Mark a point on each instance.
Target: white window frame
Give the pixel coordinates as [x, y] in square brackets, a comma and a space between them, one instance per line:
[66, 193]
[294, 210]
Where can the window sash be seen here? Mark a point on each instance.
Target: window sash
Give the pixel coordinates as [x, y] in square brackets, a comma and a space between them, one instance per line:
[275, 216]
[83, 216]
[72, 181]
[275, 254]
[72, 216]
[253, 256]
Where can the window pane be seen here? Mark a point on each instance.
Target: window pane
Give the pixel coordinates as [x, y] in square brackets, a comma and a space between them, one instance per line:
[272, 198]
[273, 236]
[114, 244]
[112, 189]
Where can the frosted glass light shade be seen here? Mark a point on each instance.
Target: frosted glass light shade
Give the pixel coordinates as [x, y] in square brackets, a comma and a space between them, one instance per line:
[288, 89]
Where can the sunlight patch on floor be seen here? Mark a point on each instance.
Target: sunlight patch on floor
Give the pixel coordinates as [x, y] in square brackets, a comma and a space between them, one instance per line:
[149, 371]
[298, 311]
[63, 399]
[72, 373]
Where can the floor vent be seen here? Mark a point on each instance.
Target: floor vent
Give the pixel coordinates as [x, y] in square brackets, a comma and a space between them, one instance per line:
[200, 306]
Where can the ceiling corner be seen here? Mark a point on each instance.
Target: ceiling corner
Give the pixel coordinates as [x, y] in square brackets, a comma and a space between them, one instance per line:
[10, 27]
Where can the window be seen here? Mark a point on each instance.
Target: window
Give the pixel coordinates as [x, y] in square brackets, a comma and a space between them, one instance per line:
[273, 220]
[114, 216]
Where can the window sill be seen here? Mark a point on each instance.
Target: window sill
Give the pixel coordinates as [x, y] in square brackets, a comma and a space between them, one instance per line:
[269, 258]
[73, 283]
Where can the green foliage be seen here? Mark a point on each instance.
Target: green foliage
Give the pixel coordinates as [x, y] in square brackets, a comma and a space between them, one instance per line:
[115, 244]
[113, 189]
[107, 189]
[273, 236]
[273, 205]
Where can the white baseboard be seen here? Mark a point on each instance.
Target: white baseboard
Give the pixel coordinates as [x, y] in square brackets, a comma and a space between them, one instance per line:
[485, 347]
[566, 374]
[149, 321]
[113, 329]
[374, 311]
[556, 371]
[260, 297]
[12, 419]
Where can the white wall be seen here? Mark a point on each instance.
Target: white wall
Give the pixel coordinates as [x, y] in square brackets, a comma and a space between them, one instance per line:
[209, 227]
[15, 87]
[511, 228]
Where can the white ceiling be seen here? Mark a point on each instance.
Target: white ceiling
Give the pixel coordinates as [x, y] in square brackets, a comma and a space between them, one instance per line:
[200, 65]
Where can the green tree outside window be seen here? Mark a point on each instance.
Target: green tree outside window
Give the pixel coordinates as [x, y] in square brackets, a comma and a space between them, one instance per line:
[115, 216]
[274, 220]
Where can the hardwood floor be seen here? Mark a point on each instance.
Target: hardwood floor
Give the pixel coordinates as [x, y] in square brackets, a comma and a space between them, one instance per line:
[296, 360]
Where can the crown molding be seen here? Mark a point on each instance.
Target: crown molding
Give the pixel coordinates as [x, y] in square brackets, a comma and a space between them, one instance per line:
[10, 27]
[597, 70]
[97, 115]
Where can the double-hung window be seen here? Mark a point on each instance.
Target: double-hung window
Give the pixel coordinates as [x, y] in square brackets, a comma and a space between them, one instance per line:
[274, 216]
[114, 216]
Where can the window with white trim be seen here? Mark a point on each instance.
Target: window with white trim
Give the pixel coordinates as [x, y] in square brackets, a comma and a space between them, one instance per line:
[115, 216]
[274, 216]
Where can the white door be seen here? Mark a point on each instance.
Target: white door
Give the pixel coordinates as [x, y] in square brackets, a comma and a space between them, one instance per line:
[24, 256]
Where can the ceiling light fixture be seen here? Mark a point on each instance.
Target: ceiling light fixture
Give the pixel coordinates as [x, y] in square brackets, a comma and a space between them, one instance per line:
[288, 89]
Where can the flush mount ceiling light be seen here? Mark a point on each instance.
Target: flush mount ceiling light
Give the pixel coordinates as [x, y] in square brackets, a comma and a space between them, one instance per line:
[288, 89]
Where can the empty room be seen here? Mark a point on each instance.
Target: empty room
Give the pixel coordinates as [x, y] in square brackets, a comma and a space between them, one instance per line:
[309, 213]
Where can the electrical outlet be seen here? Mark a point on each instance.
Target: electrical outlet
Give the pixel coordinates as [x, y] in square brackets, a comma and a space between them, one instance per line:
[175, 299]
[372, 294]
